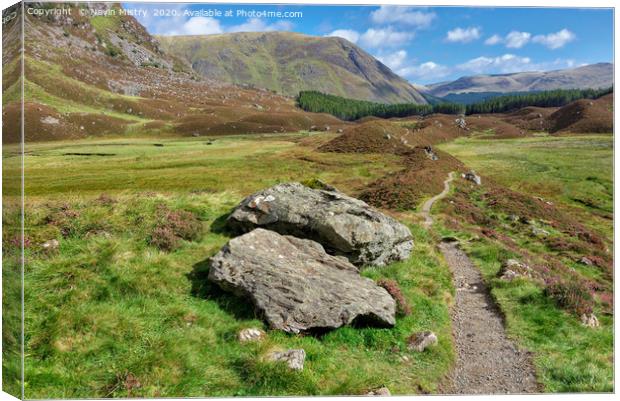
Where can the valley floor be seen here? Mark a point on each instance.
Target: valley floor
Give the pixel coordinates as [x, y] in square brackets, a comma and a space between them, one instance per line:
[109, 313]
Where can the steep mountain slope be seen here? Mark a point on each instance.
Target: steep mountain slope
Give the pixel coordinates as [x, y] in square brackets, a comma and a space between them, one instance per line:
[289, 62]
[89, 75]
[590, 76]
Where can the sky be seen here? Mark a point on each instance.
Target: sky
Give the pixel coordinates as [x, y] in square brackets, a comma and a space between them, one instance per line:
[422, 44]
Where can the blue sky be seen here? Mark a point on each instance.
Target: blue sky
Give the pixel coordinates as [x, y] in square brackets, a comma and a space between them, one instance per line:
[424, 45]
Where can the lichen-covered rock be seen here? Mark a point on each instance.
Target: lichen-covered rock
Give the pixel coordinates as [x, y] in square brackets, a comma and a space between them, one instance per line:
[473, 177]
[296, 286]
[512, 268]
[250, 335]
[294, 358]
[589, 320]
[422, 340]
[50, 245]
[343, 225]
[380, 392]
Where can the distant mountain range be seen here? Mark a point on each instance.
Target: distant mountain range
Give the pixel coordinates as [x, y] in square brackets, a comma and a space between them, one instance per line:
[590, 76]
[288, 63]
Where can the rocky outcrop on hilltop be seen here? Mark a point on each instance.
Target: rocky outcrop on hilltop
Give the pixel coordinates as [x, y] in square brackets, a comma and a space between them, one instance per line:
[343, 225]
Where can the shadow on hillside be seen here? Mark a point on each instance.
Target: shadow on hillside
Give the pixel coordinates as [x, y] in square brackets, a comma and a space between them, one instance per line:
[202, 288]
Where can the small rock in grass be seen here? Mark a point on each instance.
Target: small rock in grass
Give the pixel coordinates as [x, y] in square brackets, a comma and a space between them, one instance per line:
[514, 218]
[380, 392]
[509, 275]
[51, 245]
[420, 341]
[294, 358]
[586, 261]
[512, 269]
[589, 320]
[473, 177]
[250, 335]
[539, 232]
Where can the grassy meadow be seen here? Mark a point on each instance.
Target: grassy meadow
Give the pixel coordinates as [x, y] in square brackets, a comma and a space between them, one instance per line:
[109, 314]
[575, 175]
[573, 171]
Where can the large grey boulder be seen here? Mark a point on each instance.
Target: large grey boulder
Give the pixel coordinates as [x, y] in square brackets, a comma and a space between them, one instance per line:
[296, 286]
[343, 225]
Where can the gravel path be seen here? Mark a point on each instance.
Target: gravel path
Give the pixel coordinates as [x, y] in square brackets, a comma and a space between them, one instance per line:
[487, 361]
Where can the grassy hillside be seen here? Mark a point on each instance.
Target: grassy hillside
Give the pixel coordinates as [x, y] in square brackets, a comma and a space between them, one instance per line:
[568, 200]
[106, 76]
[288, 63]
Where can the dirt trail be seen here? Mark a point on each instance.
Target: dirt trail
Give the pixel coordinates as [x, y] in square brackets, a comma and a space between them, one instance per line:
[428, 205]
[487, 361]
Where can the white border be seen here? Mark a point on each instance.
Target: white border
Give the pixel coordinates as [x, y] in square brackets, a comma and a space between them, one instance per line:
[476, 3]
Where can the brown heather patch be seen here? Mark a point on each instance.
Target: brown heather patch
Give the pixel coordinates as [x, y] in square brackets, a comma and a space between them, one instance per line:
[584, 116]
[494, 123]
[530, 118]
[421, 177]
[173, 226]
[572, 295]
[392, 287]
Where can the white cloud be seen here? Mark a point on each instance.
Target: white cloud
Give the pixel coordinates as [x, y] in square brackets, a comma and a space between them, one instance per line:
[198, 26]
[555, 40]
[425, 72]
[516, 39]
[493, 40]
[402, 15]
[259, 25]
[385, 37]
[503, 64]
[394, 60]
[348, 34]
[509, 63]
[463, 35]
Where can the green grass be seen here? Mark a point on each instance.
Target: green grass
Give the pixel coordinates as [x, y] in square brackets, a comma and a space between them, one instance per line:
[572, 170]
[108, 304]
[568, 356]
[93, 100]
[34, 93]
[237, 163]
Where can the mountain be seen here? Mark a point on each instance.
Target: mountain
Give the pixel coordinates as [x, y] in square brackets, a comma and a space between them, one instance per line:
[89, 74]
[590, 76]
[288, 63]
